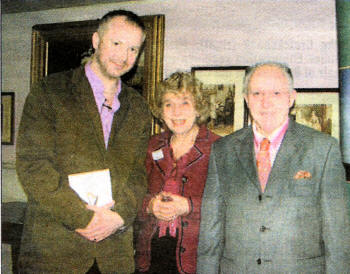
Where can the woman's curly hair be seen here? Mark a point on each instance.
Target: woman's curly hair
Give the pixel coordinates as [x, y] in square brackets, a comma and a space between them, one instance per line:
[177, 83]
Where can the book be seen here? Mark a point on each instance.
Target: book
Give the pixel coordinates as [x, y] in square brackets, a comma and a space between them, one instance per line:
[93, 187]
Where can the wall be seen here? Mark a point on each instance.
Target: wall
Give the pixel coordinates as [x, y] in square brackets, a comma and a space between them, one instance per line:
[197, 33]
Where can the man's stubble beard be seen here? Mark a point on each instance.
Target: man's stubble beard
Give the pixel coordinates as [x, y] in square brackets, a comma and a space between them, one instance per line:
[103, 68]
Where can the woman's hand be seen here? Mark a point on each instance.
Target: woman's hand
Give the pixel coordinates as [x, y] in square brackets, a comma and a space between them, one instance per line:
[180, 203]
[162, 210]
[167, 206]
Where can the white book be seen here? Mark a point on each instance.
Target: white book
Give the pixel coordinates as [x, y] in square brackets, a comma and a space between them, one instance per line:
[93, 187]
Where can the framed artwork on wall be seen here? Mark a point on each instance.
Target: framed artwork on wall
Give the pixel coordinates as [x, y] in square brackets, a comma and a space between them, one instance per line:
[223, 88]
[62, 46]
[318, 109]
[7, 118]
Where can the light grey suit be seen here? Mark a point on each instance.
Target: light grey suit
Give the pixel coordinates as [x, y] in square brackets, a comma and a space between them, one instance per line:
[295, 226]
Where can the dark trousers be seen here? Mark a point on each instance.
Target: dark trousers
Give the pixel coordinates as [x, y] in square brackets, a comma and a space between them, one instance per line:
[94, 269]
[163, 252]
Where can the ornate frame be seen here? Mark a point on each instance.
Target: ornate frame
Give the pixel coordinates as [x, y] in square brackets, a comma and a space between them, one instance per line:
[7, 118]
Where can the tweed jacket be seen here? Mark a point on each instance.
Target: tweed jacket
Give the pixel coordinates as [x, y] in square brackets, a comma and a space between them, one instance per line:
[300, 224]
[191, 173]
[61, 134]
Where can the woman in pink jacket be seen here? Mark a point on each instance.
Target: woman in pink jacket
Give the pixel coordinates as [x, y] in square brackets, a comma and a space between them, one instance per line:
[177, 163]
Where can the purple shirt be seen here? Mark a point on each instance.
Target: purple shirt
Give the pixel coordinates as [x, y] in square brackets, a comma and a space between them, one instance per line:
[106, 113]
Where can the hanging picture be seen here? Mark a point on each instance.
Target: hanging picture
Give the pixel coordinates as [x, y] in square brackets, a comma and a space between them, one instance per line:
[223, 88]
[318, 109]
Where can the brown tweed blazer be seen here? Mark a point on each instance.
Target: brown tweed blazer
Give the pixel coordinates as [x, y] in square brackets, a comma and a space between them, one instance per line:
[60, 134]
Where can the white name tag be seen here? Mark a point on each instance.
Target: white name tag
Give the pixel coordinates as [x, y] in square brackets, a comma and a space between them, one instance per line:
[157, 155]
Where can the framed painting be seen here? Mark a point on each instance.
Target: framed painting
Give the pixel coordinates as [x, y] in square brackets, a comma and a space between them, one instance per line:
[7, 117]
[223, 88]
[318, 109]
[62, 46]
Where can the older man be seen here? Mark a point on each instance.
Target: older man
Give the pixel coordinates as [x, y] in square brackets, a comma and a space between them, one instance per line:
[275, 199]
[79, 121]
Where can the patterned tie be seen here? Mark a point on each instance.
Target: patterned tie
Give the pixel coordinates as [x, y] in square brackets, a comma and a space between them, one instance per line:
[263, 163]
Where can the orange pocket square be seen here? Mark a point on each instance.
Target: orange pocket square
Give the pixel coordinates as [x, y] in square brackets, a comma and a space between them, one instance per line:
[302, 174]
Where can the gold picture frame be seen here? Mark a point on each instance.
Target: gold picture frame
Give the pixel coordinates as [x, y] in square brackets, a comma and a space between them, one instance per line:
[318, 108]
[223, 87]
[7, 118]
[61, 46]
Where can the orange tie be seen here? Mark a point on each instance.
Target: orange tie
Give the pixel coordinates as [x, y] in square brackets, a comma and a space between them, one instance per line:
[263, 163]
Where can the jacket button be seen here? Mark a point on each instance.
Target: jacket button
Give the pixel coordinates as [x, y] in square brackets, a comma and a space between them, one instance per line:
[182, 249]
[184, 179]
[263, 228]
[258, 261]
[185, 224]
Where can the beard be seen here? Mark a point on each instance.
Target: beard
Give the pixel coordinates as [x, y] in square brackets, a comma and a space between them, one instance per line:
[103, 68]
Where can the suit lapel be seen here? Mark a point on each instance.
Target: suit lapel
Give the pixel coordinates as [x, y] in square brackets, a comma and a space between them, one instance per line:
[196, 152]
[246, 156]
[119, 116]
[163, 163]
[86, 99]
[191, 157]
[284, 162]
[291, 145]
[85, 95]
[188, 159]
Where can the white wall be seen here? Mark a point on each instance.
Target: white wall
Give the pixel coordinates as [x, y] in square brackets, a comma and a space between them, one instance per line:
[198, 33]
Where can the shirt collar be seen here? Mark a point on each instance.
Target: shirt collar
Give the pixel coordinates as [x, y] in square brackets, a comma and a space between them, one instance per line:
[98, 88]
[275, 138]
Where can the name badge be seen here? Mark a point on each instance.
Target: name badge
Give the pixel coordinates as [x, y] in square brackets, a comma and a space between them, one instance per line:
[157, 155]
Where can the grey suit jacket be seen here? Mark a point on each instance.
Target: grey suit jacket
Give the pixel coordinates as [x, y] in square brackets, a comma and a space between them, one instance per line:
[295, 226]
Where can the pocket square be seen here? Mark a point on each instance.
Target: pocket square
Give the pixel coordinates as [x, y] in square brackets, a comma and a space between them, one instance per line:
[302, 174]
